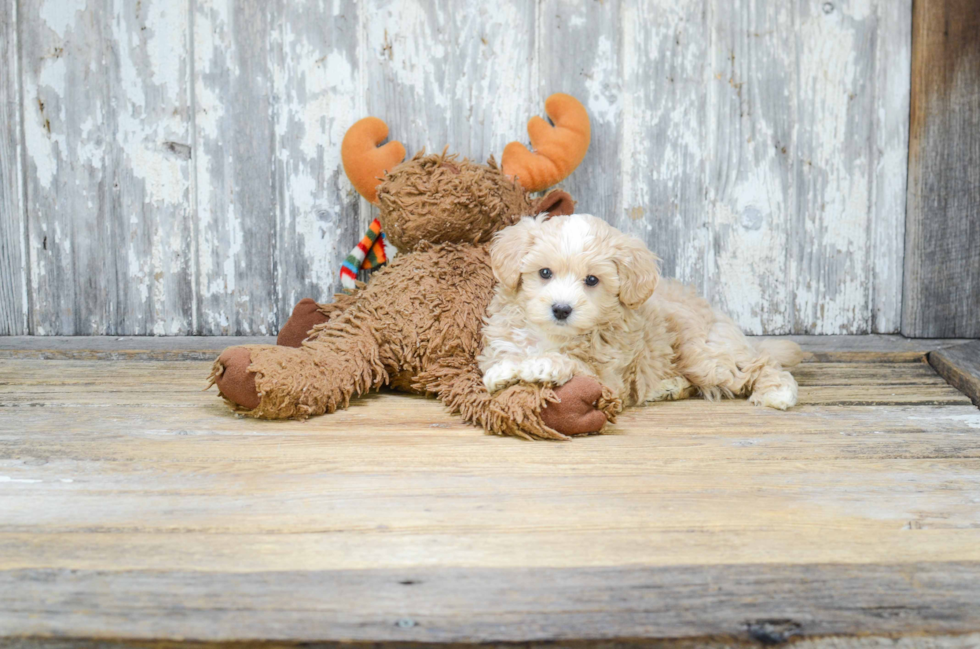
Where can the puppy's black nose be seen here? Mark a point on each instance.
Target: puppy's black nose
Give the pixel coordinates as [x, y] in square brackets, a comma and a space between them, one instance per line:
[561, 311]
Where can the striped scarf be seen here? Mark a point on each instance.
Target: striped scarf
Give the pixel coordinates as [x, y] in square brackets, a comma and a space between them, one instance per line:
[372, 251]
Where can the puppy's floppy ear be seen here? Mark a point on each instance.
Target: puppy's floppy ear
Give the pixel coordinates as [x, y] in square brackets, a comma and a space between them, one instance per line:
[639, 270]
[508, 250]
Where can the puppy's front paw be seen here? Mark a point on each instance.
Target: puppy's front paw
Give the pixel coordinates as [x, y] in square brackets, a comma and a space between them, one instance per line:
[537, 370]
[544, 370]
[501, 375]
[780, 398]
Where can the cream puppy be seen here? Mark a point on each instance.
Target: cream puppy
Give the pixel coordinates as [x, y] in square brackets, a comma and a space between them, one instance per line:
[576, 296]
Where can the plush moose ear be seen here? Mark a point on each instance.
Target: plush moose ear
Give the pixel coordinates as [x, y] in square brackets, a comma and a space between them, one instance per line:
[639, 271]
[365, 163]
[555, 203]
[507, 252]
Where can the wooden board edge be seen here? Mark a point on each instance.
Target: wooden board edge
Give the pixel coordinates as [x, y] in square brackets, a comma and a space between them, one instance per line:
[960, 366]
[129, 348]
[765, 638]
[740, 604]
[871, 348]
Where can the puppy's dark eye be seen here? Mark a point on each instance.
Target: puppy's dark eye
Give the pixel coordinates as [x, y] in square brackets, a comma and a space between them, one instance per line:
[545, 273]
[591, 280]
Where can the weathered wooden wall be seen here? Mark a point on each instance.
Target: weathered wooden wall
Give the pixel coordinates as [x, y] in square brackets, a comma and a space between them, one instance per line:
[942, 260]
[172, 166]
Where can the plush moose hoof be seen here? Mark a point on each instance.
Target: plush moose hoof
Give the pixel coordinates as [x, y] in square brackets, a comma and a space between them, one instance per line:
[576, 413]
[236, 383]
[306, 315]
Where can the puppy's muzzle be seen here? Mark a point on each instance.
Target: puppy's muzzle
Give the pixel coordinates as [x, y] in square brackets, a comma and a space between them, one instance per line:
[561, 311]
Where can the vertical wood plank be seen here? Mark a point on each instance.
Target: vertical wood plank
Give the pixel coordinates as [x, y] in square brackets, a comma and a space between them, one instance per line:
[890, 121]
[150, 206]
[580, 53]
[14, 302]
[234, 168]
[407, 47]
[835, 164]
[317, 89]
[749, 162]
[106, 122]
[491, 70]
[757, 146]
[456, 74]
[664, 133]
[942, 239]
[69, 178]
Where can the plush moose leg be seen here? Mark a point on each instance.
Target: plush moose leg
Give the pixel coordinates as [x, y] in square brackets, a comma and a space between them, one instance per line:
[274, 382]
[436, 297]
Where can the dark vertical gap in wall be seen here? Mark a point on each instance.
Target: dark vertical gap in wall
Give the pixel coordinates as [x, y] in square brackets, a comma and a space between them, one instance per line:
[279, 205]
[279, 214]
[872, 152]
[196, 295]
[26, 212]
[905, 199]
[906, 251]
[115, 315]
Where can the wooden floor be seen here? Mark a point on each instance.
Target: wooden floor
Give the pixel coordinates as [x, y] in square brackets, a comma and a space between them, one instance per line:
[134, 506]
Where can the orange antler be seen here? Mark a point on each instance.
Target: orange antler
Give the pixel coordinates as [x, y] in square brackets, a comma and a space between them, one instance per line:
[558, 150]
[364, 161]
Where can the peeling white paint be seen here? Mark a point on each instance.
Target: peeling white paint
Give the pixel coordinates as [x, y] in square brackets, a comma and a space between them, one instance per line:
[761, 152]
[603, 101]
[59, 16]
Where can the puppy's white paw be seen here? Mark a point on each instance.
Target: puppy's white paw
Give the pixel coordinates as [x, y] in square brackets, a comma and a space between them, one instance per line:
[501, 375]
[669, 389]
[542, 370]
[780, 398]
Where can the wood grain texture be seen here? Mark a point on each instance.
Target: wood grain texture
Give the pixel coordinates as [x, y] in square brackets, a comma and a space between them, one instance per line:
[150, 209]
[317, 85]
[875, 348]
[450, 74]
[193, 184]
[942, 261]
[124, 486]
[893, 61]
[150, 348]
[767, 186]
[960, 366]
[14, 298]
[69, 165]
[235, 173]
[579, 53]
[317, 88]
[603, 604]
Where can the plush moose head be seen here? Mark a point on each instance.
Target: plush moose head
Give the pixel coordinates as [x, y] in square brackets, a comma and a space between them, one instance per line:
[441, 198]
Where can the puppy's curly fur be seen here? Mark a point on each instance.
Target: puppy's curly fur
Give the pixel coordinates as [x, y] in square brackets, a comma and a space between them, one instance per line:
[576, 296]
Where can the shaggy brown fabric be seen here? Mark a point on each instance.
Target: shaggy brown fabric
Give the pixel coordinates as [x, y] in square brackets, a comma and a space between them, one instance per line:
[443, 198]
[417, 325]
[422, 314]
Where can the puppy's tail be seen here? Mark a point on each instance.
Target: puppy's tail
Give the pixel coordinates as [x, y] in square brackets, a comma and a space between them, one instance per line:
[785, 352]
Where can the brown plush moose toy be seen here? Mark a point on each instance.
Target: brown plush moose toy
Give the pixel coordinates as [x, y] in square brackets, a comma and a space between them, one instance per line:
[416, 325]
